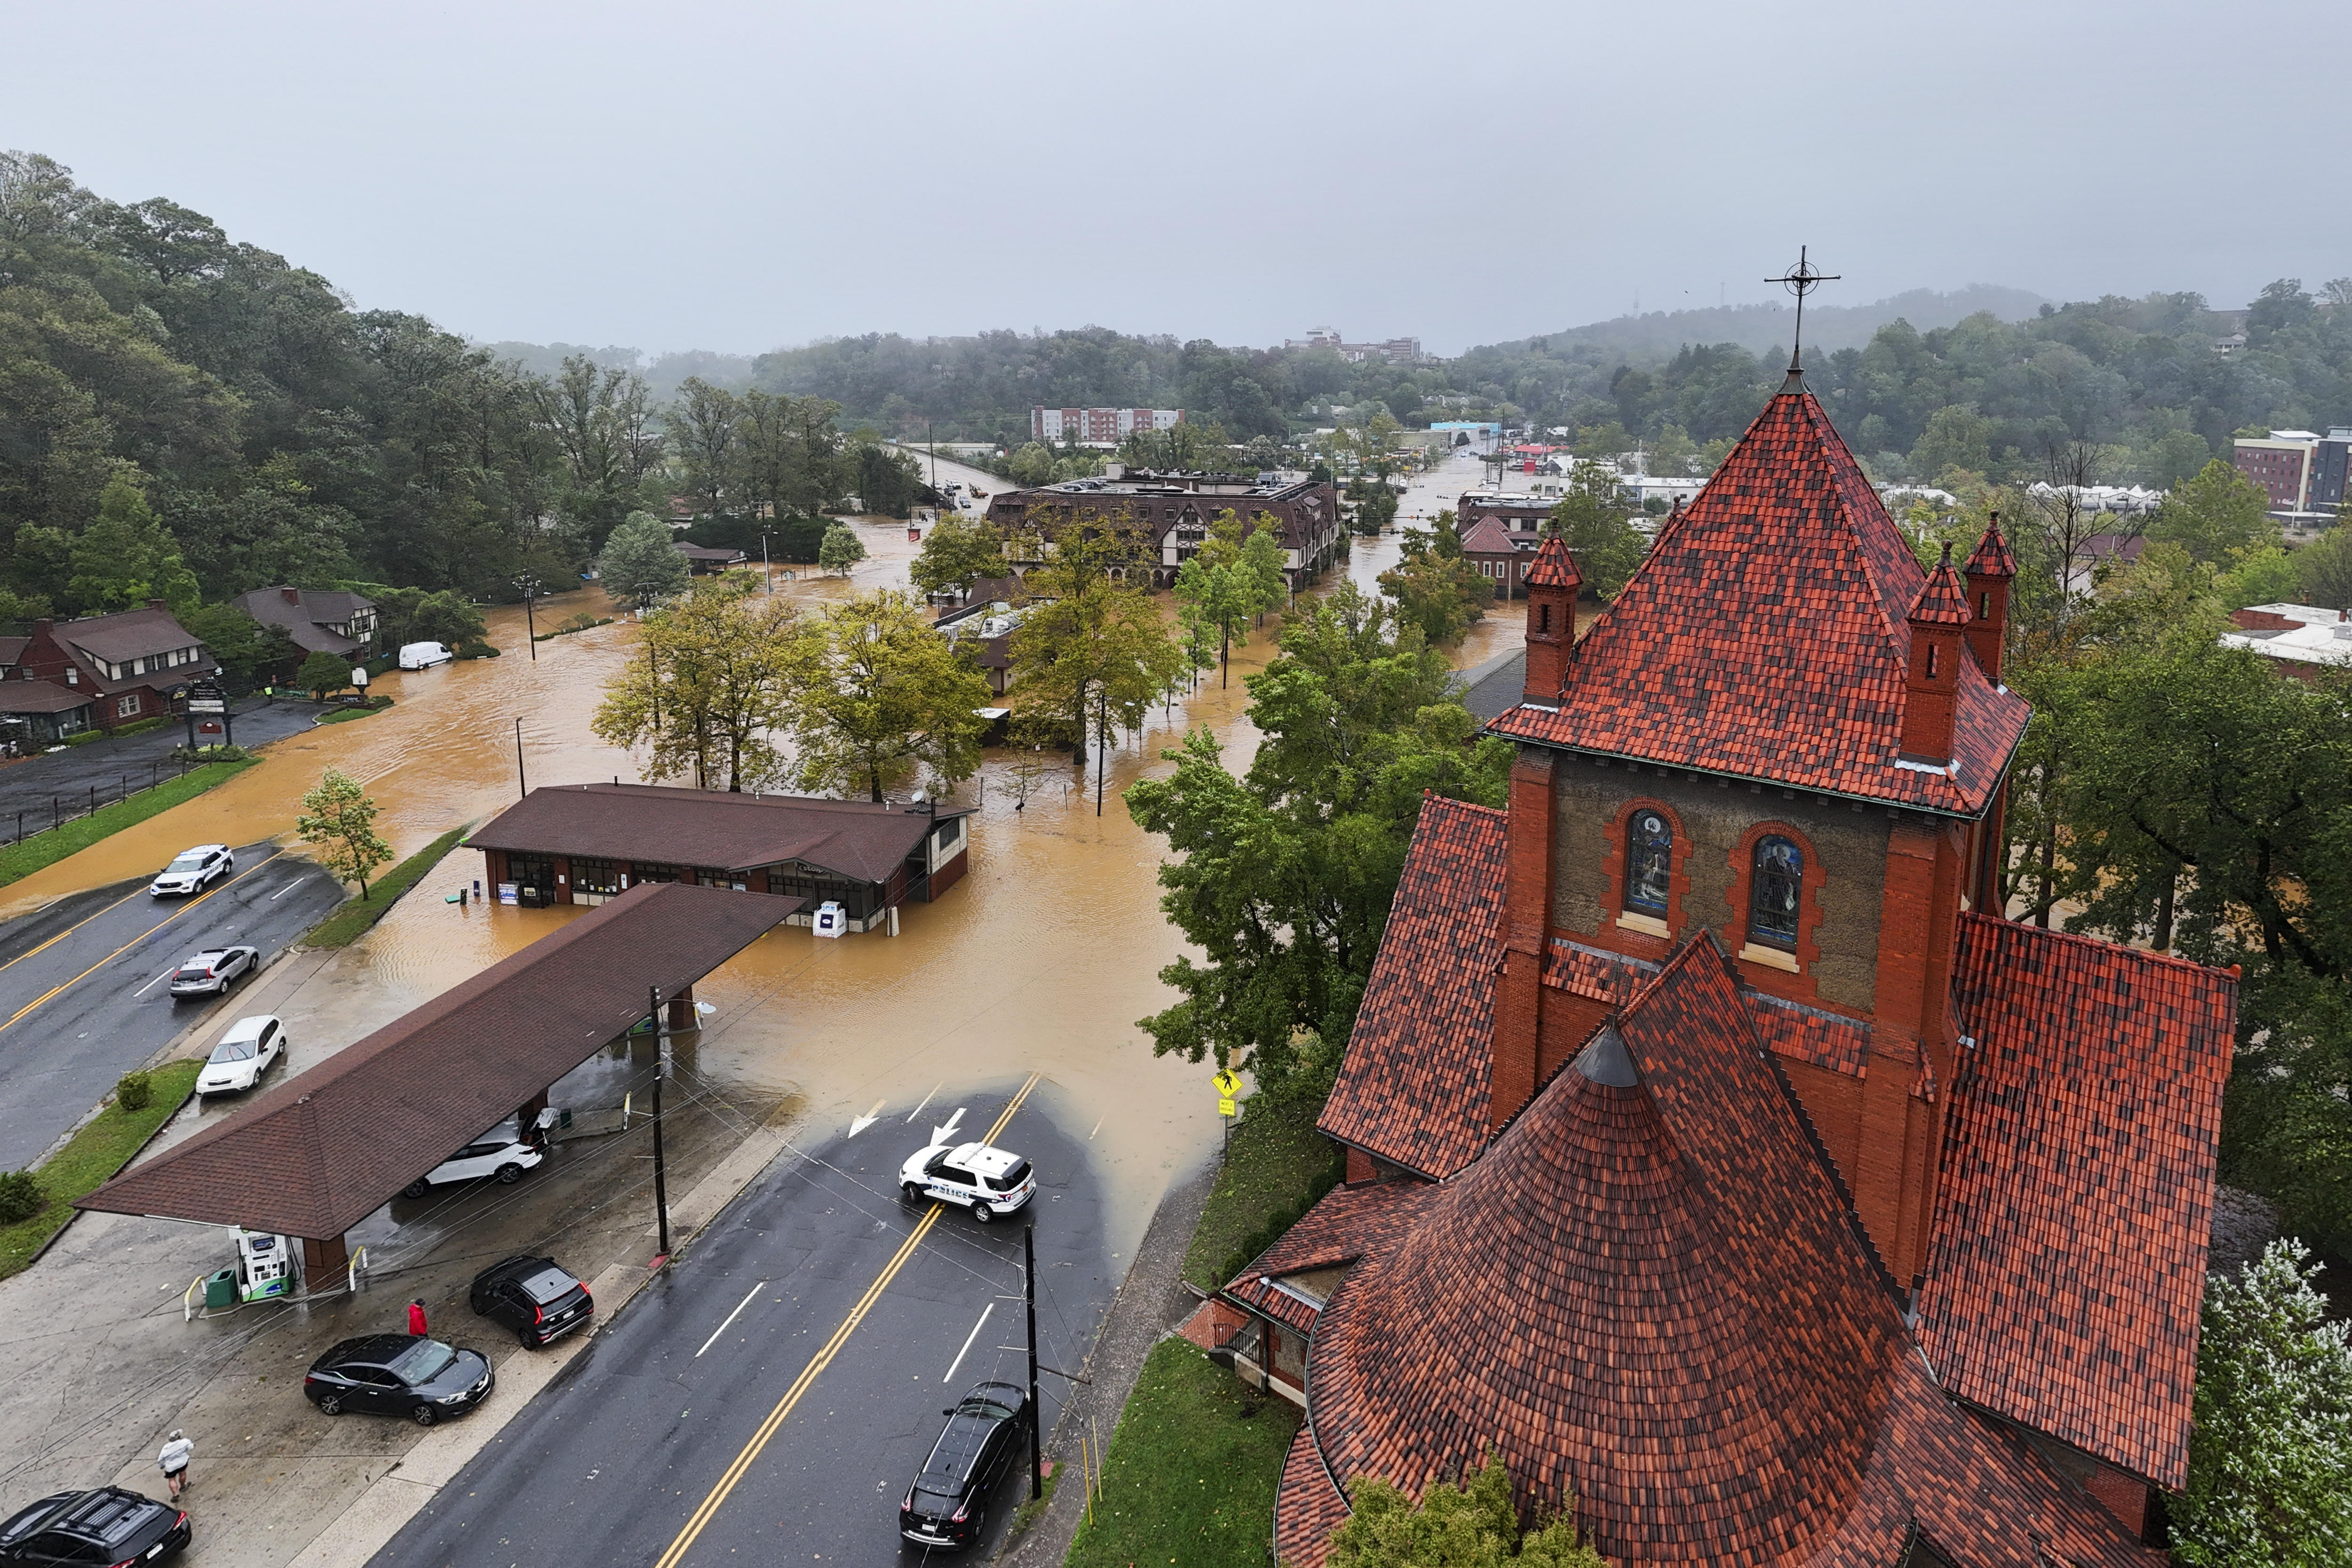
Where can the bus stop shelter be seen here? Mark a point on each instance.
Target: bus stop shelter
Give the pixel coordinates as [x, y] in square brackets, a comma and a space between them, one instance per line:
[323, 1150]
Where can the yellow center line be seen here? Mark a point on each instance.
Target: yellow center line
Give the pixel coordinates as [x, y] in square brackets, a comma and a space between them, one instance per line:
[73, 928]
[127, 946]
[817, 1363]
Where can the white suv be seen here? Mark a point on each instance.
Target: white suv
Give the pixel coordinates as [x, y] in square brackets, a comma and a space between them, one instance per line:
[988, 1182]
[190, 868]
[498, 1153]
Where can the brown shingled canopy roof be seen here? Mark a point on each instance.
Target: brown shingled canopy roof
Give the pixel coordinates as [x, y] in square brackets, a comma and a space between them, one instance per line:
[323, 1151]
[718, 828]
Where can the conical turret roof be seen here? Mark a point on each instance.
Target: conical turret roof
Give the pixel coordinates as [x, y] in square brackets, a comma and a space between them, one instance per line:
[1554, 567]
[1943, 598]
[1992, 557]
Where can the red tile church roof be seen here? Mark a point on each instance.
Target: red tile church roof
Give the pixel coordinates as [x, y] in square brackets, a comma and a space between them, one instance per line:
[1943, 599]
[1765, 636]
[1554, 566]
[1992, 557]
[2071, 1227]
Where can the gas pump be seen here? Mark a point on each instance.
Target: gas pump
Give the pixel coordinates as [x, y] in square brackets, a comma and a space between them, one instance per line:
[265, 1267]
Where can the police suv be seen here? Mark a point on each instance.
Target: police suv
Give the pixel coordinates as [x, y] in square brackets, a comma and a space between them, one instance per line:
[988, 1182]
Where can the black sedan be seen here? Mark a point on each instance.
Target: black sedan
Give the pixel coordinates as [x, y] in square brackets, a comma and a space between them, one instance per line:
[535, 1297]
[398, 1375]
[109, 1525]
[212, 972]
[986, 1433]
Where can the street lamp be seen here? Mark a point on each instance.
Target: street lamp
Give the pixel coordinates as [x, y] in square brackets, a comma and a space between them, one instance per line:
[766, 570]
[527, 585]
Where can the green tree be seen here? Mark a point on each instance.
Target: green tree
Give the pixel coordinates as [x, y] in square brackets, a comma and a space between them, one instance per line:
[2324, 570]
[842, 549]
[888, 479]
[878, 693]
[714, 677]
[2215, 513]
[338, 820]
[125, 558]
[323, 673]
[1281, 877]
[1956, 437]
[1471, 1526]
[1592, 518]
[1671, 454]
[1092, 648]
[1435, 587]
[957, 552]
[248, 650]
[2258, 575]
[706, 432]
[2270, 1463]
[641, 565]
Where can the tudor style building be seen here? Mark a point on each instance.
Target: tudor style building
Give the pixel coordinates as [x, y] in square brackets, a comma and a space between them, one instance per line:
[103, 670]
[1716, 1150]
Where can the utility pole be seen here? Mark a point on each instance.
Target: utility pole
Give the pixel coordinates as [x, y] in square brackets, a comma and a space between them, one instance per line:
[530, 586]
[766, 570]
[661, 1171]
[522, 784]
[1102, 742]
[1037, 1416]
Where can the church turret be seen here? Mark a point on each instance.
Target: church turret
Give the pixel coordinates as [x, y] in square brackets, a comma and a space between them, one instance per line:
[1990, 569]
[1938, 621]
[1552, 586]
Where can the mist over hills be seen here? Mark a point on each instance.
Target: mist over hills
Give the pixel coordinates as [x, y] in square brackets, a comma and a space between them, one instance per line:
[1764, 329]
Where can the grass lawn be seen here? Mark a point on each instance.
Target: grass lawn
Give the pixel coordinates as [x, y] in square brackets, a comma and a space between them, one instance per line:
[1274, 1172]
[40, 850]
[348, 923]
[1191, 1477]
[345, 715]
[90, 1157]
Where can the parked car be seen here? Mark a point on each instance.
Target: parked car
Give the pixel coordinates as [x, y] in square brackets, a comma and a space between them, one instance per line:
[501, 1154]
[986, 1432]
[988, 1182]
[212, 972]
[424, 655]
[399, 1375]
[537, 1297]
[108, 1525]
[251, 1048]
[190, 870]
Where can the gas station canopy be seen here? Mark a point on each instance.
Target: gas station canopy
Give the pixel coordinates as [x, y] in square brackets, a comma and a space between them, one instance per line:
[327, 1148]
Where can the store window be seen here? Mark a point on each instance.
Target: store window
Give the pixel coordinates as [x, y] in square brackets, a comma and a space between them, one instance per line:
[643, 871]
[590, 876]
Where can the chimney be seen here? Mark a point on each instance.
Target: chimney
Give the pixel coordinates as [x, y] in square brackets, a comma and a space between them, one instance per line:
[154, 604]
[1552, 586]
[1990, 569]
[1940, 621]
[291, 595]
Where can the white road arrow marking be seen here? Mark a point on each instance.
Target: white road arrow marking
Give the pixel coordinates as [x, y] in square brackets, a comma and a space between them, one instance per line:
[859, 1125]
[942, 1134]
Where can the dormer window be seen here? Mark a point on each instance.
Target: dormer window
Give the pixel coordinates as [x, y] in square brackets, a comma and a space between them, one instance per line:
[1649, 862]
[1776, 893]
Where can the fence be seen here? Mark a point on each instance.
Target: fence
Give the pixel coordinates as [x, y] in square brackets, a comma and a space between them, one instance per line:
[59, 813]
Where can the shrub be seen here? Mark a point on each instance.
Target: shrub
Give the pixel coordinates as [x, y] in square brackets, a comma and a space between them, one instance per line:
[476, 650]
[133, 1090]
[20, 1196]
[85, 737]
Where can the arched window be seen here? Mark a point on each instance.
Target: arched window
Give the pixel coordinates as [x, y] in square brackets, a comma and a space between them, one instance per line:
[1649, 861]
[1774, 893]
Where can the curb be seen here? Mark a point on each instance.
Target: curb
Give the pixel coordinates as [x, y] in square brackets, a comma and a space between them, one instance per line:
[144, 1144]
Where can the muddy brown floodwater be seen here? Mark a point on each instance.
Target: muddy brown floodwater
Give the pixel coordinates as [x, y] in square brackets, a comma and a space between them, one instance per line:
[1041, 960]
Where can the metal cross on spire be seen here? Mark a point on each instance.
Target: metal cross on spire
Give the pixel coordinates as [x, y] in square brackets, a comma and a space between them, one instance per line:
[1801, 279]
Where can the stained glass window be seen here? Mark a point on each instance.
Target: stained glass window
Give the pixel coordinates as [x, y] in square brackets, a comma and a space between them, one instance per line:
[1774, 893]
[1649, 860]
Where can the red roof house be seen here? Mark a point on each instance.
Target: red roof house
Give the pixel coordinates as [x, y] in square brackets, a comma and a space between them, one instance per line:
[1716, 1154]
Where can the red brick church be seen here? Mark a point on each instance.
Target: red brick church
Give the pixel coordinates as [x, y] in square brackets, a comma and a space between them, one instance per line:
[1717, 1152]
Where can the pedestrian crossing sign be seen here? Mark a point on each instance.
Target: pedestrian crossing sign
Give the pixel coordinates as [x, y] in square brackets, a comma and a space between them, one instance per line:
[1228, 1084]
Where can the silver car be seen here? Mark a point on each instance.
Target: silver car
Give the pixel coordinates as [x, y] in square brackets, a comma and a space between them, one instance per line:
[212, 972]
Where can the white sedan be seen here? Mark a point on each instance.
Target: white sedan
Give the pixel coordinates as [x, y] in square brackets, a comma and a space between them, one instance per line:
[191, 870]
[988, 1182]
[250, 1049]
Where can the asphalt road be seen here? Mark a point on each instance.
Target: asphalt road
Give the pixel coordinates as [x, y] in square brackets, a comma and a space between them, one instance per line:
[83, 997]
[64, 779]
[617, 1460]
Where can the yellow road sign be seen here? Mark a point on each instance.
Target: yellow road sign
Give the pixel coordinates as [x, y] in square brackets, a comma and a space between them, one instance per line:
[1227, 1107]
[1228, 1082]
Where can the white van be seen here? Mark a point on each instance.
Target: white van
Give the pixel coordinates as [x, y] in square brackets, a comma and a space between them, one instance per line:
[424, 655]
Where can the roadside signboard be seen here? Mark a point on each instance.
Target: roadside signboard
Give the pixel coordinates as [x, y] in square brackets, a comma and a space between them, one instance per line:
[206, 697]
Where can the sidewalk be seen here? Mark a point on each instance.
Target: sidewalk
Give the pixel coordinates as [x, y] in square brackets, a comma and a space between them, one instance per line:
[68, 776]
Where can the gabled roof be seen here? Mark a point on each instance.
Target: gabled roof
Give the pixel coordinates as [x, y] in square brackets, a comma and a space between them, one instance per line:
[42, 697]
[307, 616]
[1487, 537]
[1992, 557]
[2068, 1261]
[1765, 636]
[718, 828]
[127, 635]
[1414, 1087]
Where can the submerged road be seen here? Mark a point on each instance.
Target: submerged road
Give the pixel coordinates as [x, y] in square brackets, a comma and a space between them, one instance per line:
[772, 1397]
[84, 983]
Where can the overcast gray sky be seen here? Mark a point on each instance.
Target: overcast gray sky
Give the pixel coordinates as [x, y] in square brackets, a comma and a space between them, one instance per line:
[738, 176]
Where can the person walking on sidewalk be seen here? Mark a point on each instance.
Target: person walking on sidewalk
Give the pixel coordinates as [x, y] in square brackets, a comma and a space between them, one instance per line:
[173, 1460]
[416, 1316]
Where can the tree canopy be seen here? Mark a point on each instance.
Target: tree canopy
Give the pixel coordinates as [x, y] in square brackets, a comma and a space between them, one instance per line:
[878, 693]
[641, 565]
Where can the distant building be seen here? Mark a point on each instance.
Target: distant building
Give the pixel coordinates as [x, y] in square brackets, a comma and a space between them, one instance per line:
[1176, 509]
[2301, 471]
[1395, 351]
[2300, 639]
[1105, 425]
[1501, 558]
[106, 671]
[703, 561]
[320, 621]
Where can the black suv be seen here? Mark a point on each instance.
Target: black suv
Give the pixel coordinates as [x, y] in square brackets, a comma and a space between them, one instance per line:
[948, 1504]
[398, 1375]
[535, 1297]
[109, 1525]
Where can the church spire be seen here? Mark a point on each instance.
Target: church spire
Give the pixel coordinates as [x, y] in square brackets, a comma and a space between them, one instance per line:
[1800, 280]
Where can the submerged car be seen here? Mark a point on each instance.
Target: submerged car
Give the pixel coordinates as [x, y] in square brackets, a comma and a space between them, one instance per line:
[501, 1154]
[212, 972]
[399, 1375]
[949, 1503]
[109, 1525]
[988, 1182]
[250, 1049]
[192, 869]
[537, 1297]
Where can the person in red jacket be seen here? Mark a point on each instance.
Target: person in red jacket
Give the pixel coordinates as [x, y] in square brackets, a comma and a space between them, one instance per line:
[417, 1317]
